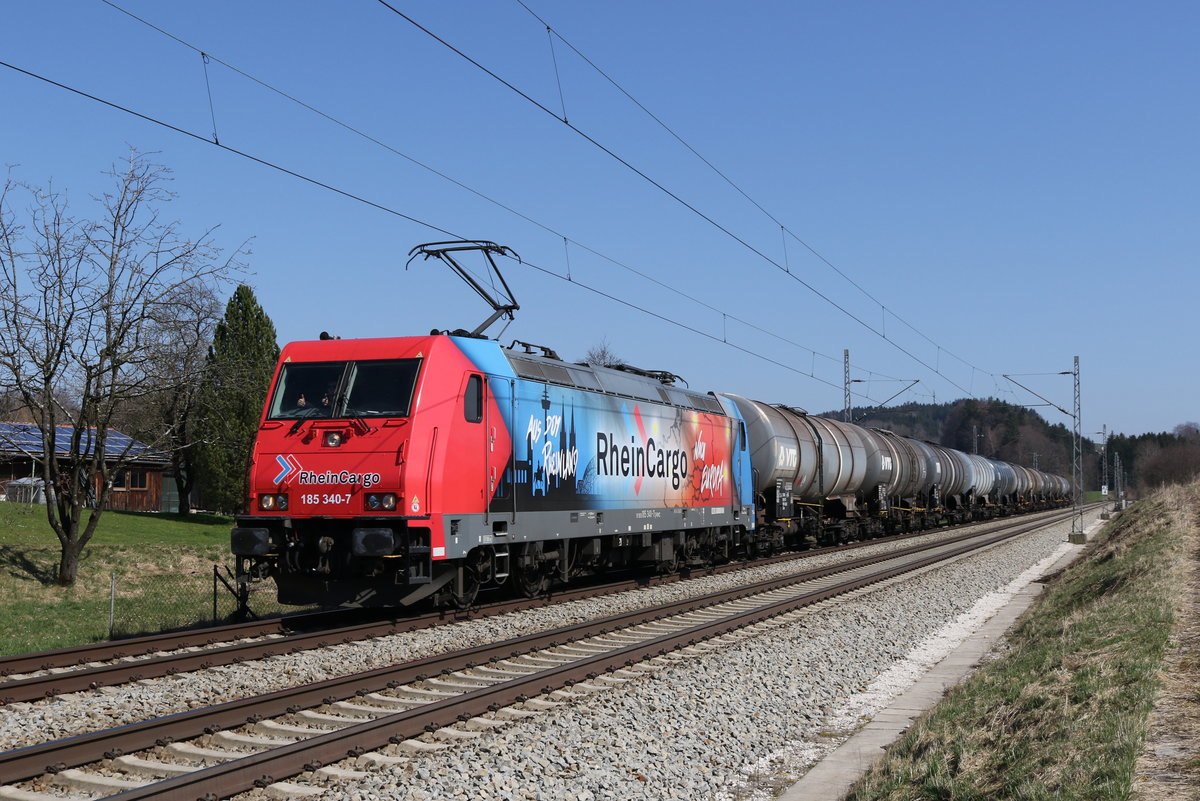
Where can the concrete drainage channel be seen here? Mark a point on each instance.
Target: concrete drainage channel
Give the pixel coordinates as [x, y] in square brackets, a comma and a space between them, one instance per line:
[447, 698]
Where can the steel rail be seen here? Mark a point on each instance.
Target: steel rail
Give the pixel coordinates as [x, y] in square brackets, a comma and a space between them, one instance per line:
[264, 768]
[150, 644]
[51, 757]
[106, 675]
[163, 641]
[292, 633]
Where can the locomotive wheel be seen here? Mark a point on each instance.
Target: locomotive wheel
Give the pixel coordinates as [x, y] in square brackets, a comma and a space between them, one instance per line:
[529, 570]
[474, 568]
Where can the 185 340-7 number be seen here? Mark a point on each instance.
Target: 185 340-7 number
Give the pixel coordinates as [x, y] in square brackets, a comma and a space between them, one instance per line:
[326, 497]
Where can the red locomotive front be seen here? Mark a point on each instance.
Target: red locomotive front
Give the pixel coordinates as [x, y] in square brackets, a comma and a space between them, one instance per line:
[363, 447]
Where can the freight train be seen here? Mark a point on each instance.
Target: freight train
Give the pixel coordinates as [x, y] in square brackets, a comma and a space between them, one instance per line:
[396, 470]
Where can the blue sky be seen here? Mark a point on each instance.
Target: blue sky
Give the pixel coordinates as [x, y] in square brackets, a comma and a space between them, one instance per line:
[1009, 185]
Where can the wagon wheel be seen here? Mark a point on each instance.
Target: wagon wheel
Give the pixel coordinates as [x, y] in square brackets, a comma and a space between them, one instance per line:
[700, 551]
[529, 570]
[750, 547]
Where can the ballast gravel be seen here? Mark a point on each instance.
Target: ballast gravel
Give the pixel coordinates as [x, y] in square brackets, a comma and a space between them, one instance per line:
[740, 723]
[716, 726]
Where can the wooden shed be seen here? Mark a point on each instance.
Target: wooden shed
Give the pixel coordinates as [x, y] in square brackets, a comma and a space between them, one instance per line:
[137, 487]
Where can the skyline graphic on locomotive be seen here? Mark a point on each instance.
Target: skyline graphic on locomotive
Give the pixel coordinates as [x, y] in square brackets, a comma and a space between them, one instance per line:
[632, 453]
[393, 470]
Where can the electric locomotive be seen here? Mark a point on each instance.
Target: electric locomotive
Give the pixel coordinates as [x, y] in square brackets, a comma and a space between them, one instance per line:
[386, 471]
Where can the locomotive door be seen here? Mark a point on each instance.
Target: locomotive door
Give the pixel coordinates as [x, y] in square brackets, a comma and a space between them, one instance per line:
[470, 464]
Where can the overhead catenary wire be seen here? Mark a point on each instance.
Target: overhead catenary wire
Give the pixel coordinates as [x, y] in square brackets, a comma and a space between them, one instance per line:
[358, 132]
[640, 173]
[212, 111]
[562, 99]
[388, 210]
[692, 329]
[783, 227]
[227, 148]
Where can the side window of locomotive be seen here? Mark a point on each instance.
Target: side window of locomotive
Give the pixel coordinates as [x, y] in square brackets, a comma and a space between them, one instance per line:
[306, 389]
[473, 399]
[382, 388]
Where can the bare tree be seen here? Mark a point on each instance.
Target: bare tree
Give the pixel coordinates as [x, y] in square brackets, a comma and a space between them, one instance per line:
[1173, 464]
[1188, 432]
[90, 311]
[603, 356]
[167, 416]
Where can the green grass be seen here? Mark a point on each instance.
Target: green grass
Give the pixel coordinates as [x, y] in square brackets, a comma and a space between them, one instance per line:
[163, 565]
[25, 524]
[1063, 714]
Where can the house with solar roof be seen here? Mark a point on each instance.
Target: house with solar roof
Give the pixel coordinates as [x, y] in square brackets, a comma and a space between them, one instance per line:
[137, 486]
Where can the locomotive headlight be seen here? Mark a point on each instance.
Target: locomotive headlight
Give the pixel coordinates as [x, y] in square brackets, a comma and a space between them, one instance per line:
[269, 502]
[377, 501]
[333, 439]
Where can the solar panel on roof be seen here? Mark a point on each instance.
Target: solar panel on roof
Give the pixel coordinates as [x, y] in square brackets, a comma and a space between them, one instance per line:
[26, 438]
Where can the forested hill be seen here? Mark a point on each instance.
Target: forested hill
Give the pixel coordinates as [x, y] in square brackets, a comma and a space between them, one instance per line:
[1004, 431]
[1020, 435]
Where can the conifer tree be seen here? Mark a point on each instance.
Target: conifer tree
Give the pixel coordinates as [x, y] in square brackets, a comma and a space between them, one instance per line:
[240, 363]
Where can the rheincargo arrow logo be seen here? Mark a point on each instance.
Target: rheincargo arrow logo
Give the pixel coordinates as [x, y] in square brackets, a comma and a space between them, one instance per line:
[288, 468]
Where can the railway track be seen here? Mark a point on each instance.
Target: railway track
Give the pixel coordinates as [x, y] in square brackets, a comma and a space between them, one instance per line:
[87, 667]
[451, 696]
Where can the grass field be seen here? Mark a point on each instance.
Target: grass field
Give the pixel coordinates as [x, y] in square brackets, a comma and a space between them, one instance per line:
[1063, 713]
[163, 566]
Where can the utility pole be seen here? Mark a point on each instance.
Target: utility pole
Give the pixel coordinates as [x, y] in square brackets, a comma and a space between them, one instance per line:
[975, 438]
[1077, 466]
[1104, 458]
[1119, 476]
[848, 408]
[1077, 459]
[1077, 535]
[846, 385]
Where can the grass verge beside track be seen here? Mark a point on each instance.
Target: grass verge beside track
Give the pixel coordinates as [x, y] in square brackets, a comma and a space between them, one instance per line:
[163, 566]
[1063, 712]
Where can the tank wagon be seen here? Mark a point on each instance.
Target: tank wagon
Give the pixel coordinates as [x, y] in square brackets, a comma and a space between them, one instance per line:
[387, 471]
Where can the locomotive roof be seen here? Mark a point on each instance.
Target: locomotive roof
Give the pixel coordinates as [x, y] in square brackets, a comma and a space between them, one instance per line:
[593, 378]
[610, 381]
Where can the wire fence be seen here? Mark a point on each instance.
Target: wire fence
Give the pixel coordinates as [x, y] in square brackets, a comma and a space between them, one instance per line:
[167, 602]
